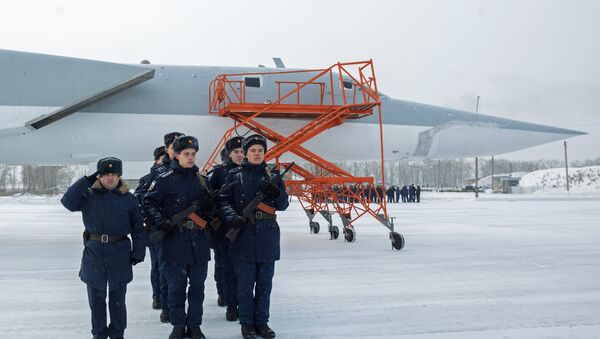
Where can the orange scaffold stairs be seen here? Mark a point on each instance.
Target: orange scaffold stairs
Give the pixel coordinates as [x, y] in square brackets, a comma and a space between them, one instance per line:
[322, 99]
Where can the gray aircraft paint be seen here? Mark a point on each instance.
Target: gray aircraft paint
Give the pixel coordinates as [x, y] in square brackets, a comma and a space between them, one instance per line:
[30, 82]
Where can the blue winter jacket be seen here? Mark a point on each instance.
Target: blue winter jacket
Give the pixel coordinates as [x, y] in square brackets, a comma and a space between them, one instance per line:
[115, 213]
[258, 242]
[170, 193]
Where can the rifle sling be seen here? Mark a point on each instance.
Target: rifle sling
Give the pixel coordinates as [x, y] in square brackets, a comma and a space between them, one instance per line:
[266, 208]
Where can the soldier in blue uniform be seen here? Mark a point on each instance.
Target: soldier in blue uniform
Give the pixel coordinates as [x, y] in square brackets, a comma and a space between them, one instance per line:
[109, 214]
[218, 274]
[256, 247]
[159, 154]
[155, 171]
[185, 248]
[224, 269]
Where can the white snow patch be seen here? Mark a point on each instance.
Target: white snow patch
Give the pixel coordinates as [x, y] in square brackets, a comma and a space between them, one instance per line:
[582, 180]
[509, 266]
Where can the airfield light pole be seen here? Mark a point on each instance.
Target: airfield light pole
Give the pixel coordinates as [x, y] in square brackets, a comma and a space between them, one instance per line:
[476, 159]
[566, 166]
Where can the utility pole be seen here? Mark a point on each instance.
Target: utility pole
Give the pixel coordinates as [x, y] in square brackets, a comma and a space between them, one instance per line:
[476, 159]
[566, 166]
[492, 175]
[439, 181]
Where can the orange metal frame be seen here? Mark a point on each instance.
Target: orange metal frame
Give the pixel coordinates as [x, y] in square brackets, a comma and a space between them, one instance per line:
[330, 185]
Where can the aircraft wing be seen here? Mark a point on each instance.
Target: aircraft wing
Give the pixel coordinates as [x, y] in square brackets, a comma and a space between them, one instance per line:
[37, 89]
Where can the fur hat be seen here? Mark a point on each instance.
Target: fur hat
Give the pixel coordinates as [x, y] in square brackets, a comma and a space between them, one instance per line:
[159, 152]
[109, 165]
[223, 155]
[233, 143]
[170, 137]
[185, 142]
[255, 139]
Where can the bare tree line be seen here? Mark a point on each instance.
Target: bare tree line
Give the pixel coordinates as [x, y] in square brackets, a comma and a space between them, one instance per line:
[430, 173]
[38, 179]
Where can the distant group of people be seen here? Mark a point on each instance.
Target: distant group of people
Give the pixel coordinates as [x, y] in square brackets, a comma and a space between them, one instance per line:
[407, 194]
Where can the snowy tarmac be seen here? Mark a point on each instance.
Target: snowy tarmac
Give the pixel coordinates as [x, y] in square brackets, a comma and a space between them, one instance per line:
[518, 266]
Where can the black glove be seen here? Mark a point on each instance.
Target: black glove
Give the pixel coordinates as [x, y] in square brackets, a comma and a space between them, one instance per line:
[206, 203]
[238, 222]
[270, 190]
[92, 177]
[135, 261]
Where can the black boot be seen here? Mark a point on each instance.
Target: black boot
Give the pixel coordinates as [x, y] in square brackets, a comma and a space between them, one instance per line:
[220, 301]
[232, 313]
[178, 332]
[164, 317]
[248, 332]
[196, 333]
[265, 331]
[156, 304]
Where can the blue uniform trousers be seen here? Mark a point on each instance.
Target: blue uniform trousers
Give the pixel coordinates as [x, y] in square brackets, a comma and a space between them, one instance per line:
[179, 275]
[218, 269]
[154, 271]
[254, 284]
[164, 284]
[116, 307]
[227, 270]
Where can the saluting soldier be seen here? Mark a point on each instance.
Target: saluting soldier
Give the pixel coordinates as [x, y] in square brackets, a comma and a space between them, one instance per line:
[109, 214]
[185, 248]
[225, 274]
[159, 154]
[256, 248]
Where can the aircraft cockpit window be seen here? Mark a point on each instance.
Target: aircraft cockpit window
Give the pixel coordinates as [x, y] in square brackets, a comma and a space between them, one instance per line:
[252, 81]
[347, 84]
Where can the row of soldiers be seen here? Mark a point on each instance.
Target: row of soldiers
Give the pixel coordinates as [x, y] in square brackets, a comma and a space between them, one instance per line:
[408, 194]
[214, 211]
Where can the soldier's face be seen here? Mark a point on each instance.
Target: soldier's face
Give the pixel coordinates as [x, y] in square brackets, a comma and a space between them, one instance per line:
[256, 154]
[109, 180]
[171, 152]
[237, 156]
[186, 158]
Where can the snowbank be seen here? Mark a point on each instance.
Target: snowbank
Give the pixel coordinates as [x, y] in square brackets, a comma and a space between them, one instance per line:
[583, 180]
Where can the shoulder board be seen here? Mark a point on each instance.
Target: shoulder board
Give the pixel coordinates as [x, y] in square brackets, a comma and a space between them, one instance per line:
[235, 170]
[161, 169]
[166, 174]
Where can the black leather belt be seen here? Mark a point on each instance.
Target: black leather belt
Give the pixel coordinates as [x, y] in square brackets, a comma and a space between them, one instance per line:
[258, 215]
[106, 238]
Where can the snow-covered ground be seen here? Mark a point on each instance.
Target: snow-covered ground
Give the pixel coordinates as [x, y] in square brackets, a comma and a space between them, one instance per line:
[502, 266]
[582, 180]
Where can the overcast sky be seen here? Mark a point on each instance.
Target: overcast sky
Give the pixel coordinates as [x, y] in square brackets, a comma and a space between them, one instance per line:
[536, 61]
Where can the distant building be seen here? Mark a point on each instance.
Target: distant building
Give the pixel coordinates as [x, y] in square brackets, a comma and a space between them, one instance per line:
[503, 182]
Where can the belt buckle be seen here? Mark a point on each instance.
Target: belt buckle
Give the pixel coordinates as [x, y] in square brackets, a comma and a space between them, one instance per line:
[188, 224]
[104, 238]
[259, 215]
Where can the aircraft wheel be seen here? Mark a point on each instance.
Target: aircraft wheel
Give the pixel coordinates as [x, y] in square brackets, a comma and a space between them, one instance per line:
[349, 234]
[397, 240]
[334, 232]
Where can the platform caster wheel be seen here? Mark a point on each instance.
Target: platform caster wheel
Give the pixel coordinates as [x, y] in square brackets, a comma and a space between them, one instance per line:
[349, 234]
[397, 240]
[334, 232]
[314, 227]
